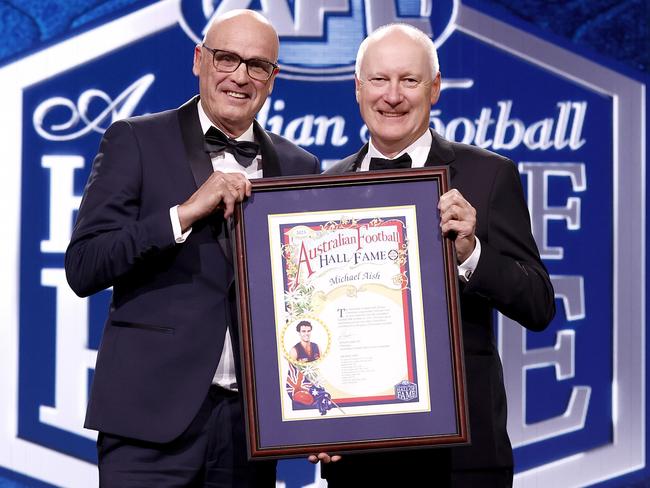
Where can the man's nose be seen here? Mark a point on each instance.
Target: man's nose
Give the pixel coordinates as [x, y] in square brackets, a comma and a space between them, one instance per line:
[240, 75]
[393, 93]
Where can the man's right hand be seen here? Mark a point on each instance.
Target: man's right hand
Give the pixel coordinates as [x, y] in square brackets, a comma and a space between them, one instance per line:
[220, 191]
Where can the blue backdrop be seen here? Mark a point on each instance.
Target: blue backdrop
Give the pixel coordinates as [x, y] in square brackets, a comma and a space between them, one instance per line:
[559, 87]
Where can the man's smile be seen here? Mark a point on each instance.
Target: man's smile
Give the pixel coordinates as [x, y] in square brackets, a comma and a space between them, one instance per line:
[383, 113]
[235, 94]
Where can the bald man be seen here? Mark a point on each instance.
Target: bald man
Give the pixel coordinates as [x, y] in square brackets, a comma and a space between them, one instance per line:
[499, 268]
[153, 225]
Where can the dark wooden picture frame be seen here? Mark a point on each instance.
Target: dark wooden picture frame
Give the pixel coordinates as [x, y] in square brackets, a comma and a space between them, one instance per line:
[269, 435]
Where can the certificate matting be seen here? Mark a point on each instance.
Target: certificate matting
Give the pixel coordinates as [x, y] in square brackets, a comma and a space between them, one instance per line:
[358, 418]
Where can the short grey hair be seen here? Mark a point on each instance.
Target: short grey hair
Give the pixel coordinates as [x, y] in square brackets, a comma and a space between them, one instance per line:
[407, 29]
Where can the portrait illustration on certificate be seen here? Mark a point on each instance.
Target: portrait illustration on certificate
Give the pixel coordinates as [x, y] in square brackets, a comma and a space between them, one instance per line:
[348, 313]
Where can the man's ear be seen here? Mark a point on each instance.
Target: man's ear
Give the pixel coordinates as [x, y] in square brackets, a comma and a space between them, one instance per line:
[435, 89]
[272, 80]
[196, 66]
[357, 86]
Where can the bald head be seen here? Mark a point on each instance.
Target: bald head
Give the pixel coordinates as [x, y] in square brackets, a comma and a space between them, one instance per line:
[397, 31]
[246, 20]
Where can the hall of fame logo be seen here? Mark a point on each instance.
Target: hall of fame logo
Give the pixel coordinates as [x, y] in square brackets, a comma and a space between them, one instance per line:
[406, 391]
[575, 128]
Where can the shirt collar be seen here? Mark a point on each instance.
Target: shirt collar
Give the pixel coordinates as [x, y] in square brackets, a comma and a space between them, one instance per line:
[248, 135]
[418, 151]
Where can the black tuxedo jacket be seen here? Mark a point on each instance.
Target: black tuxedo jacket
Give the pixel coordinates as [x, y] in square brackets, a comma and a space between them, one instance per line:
[171, 302]
[509, 277]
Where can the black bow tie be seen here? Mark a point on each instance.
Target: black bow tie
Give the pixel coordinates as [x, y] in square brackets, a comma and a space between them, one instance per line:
[245, 152]
[404, 161]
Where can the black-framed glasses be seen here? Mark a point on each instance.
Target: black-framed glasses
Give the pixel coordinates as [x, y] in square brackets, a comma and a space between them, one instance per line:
[227, 62]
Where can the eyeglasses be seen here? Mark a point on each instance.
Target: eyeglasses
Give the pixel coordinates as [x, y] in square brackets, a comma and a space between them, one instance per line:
[228, 62]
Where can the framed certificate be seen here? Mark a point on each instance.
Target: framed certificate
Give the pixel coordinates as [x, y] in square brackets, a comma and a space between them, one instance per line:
[349, 318]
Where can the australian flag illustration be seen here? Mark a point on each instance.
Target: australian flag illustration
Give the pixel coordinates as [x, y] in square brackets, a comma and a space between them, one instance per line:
[306, 394]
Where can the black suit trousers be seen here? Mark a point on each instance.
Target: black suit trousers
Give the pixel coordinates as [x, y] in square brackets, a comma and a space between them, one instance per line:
[211, 453]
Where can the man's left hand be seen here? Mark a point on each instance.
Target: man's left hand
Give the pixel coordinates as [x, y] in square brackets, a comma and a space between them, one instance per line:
[458, 222]
[324, 458]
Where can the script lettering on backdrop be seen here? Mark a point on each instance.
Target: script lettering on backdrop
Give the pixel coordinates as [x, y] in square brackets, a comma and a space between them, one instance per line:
[492, 128]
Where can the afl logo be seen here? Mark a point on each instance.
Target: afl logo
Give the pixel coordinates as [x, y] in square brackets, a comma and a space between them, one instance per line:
[319, 38]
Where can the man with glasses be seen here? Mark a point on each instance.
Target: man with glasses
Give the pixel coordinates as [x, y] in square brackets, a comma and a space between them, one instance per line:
[153, 224]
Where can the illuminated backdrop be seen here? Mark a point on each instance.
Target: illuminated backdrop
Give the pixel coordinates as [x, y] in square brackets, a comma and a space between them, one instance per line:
[572, 119]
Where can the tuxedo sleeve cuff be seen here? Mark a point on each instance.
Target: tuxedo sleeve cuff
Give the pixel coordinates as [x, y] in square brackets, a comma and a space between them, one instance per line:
[467, 267]
[179, 235]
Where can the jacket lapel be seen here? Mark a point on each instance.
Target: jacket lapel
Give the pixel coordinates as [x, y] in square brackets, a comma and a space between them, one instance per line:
[201, 166]
[198, 159]
[441, 153]
[270, 164]
[356, 159]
